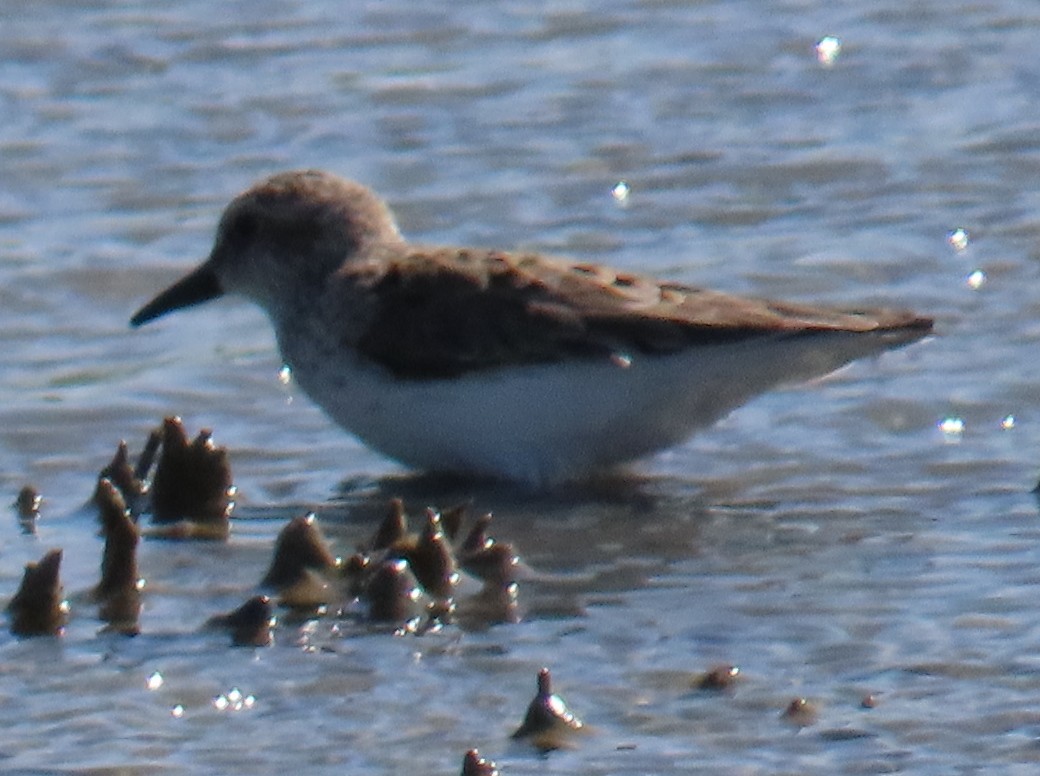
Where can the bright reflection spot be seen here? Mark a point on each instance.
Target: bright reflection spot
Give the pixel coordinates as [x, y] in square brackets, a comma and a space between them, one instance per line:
[234, 700]
[1008, 422]
[952, 428]
[958, 239]
[177, 711]
[556, 705]
[622, 360]
[285, 379]
[155, 681]
[976, 280]
[620, 192]
[827, 50]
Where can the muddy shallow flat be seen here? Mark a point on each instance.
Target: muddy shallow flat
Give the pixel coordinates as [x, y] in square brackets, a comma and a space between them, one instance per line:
[870, 535]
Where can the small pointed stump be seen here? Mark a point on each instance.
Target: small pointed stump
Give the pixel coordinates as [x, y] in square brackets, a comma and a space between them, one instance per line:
[192, 490]
[548, 723]
[303, 568]
[119, 592]
[475, 765]
[38, 608]
[250, 624]
[27, 507]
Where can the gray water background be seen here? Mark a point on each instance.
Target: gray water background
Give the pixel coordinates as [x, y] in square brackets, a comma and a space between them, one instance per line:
[831, 540]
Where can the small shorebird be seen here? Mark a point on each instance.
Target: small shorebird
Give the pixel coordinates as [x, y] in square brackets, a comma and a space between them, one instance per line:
[511, 365]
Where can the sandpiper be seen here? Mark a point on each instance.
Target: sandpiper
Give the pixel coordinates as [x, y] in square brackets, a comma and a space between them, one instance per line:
[505, 364]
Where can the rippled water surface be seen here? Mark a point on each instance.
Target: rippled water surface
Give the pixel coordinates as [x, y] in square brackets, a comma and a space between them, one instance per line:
[832, 540]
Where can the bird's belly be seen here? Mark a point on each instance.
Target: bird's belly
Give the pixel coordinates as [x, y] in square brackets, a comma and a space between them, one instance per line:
[552, 422]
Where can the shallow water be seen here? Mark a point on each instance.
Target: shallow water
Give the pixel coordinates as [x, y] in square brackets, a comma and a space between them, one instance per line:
[830, 540]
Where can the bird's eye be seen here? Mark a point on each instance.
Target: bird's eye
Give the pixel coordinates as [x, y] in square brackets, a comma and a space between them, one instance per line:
[241, 229]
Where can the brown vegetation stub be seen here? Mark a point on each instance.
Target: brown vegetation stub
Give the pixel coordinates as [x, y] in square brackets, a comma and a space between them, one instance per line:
[192, 480]
[38, 609]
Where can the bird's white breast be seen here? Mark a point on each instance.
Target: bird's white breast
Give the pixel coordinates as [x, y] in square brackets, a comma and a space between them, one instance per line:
[545, 423]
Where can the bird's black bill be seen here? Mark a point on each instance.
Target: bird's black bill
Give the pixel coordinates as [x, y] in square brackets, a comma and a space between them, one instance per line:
[198, 287]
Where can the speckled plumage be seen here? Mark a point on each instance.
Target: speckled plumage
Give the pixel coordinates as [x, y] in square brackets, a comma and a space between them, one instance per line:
[514, 365]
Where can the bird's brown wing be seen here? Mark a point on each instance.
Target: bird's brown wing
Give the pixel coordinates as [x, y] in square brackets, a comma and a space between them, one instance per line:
[438, 313]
